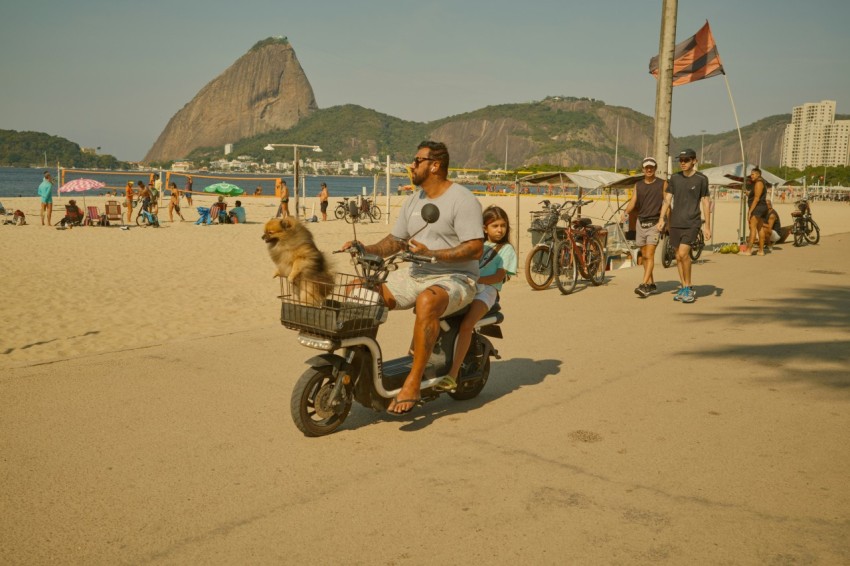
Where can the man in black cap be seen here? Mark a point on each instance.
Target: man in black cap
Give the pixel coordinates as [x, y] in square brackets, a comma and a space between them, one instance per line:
[686, 190]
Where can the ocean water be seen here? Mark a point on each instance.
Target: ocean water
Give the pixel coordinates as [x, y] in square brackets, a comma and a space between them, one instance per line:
[17, 182]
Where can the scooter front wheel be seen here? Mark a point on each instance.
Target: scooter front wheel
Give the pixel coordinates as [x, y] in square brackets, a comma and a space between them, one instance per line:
[312, 408]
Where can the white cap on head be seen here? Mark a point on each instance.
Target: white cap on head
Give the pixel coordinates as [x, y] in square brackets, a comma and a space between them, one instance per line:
[649, 161]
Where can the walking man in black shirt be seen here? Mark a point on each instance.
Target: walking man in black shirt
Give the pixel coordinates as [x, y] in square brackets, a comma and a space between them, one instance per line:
[646, 203]
[686, 191]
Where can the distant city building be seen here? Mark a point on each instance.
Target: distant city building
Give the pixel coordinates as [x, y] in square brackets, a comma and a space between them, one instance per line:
[181, 166]
[228, 148]
[814, 137]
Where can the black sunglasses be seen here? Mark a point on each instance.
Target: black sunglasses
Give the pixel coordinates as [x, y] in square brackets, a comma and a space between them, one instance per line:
[685, 160]
[417, 160]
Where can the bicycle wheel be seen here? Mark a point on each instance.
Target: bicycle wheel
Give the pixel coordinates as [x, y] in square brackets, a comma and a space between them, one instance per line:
[812, 232]
[594, 260]
[375, 212]
[142, 220]
[669, 255]
[566, 271]
[350, 219]
[696, 248]
[339, 212]
[538, 267]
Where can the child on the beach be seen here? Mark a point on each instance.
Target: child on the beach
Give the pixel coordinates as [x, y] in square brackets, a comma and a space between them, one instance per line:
[496, 265]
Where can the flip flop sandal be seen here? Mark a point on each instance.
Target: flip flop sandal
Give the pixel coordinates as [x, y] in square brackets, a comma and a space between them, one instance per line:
[446, 384]
[396, 402]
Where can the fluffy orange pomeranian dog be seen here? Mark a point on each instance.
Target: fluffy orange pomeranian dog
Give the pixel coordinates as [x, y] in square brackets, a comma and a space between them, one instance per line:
[294, 252]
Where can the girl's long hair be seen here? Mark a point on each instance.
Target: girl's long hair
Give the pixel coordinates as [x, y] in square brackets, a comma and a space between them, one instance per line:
[493, 213]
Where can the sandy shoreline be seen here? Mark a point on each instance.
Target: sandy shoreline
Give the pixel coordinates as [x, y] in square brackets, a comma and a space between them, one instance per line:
[145, 386]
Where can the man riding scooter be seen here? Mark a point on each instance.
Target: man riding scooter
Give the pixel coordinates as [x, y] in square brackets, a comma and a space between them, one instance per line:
[455, 241]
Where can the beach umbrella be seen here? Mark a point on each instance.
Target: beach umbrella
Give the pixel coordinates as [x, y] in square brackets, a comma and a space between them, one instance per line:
[225, 189]
[81, 186]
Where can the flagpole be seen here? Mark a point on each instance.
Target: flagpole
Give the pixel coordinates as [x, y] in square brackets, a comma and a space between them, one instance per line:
[741, 212]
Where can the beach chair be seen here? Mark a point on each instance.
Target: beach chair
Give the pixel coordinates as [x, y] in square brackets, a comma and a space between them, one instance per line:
[203, 215]
[218, 211]
[113, 212]
[94, 217]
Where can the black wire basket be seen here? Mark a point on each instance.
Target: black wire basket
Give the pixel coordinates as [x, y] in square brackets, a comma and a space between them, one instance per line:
[341, 310]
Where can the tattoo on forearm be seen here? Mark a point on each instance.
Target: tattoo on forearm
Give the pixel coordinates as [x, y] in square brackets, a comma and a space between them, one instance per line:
[388, 246]
[471, 249]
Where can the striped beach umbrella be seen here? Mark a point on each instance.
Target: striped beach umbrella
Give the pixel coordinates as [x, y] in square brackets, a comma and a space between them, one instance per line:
[81, 185]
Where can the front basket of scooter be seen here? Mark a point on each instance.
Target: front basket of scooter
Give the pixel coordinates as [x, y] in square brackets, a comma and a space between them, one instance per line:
[341, 310]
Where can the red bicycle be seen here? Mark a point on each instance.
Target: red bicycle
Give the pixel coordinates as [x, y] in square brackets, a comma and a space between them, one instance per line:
[582, 251]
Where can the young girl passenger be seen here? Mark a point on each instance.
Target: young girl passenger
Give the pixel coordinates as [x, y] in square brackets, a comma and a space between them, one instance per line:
[496, 265]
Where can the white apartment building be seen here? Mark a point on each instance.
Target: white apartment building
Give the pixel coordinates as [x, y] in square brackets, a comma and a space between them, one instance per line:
[814, 138]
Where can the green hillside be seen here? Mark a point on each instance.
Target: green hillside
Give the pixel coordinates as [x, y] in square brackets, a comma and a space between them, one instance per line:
[25, 149]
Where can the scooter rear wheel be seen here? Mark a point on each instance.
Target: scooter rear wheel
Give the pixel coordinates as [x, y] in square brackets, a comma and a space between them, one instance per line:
[310, 403]
[464, 394]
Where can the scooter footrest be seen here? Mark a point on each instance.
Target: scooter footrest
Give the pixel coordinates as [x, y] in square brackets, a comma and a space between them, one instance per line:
[396, 371]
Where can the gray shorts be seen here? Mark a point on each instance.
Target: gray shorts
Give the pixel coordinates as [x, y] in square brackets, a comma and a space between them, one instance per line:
[647, 236]
[486, 294]
[405, 288]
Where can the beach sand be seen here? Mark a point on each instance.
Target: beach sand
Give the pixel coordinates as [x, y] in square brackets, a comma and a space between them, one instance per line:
[144, 403]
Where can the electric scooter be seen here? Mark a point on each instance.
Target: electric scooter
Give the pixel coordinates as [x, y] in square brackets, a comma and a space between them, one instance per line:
[352, 367]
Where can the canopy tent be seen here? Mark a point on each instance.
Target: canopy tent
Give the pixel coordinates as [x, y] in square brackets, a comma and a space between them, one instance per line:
[730, 176]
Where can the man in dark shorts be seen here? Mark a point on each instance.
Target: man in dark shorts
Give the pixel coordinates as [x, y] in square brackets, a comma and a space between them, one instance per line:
[646, 203]
[323, 202]
[687, 190]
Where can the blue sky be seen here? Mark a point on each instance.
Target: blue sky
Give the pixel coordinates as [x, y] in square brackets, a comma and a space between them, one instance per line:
[112, 73]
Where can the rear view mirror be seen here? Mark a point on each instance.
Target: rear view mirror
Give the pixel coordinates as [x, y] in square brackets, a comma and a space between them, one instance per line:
[430, 213]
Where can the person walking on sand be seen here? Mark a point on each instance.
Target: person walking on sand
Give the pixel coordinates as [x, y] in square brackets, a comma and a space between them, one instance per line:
[687, 190]
[323, 202]
[128, 201]
[45, 193]
[174, 203]
[283, 209]
[187, 191]
[646, 203]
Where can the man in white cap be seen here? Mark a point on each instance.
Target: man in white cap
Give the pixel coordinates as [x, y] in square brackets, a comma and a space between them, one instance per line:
[686, 191]
[646, 203]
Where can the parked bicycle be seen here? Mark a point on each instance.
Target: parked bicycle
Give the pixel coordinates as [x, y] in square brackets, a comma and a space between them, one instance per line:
[805, 229]
[147, 218]
[581, 252]
[341, 208]
[545, 236]
[669, 254]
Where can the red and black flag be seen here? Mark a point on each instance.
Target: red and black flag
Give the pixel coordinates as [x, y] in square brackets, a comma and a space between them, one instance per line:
[695, 59]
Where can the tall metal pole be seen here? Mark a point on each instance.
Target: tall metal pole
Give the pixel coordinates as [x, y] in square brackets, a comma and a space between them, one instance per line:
[702, 148]
[664, 88]
[617, 144]
[295, 180]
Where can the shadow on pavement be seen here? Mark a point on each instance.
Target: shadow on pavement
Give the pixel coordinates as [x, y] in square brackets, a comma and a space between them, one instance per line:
[822, 362]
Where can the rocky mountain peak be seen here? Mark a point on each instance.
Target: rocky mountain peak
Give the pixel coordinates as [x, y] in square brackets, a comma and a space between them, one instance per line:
[264, 90]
